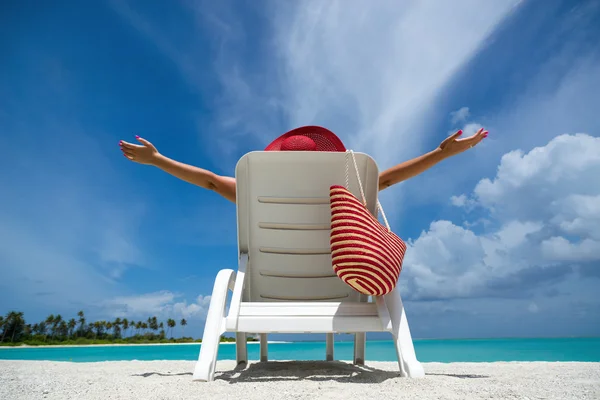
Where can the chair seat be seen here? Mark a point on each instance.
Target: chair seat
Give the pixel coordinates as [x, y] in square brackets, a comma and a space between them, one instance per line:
[299, 317]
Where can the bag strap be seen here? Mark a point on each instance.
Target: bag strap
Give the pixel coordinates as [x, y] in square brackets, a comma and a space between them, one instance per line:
[360, 186]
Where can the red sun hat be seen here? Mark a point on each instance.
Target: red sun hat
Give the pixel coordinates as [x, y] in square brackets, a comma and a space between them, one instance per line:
[307, 138]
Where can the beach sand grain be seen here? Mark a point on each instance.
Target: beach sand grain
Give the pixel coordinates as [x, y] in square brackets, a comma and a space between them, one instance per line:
[297, 380]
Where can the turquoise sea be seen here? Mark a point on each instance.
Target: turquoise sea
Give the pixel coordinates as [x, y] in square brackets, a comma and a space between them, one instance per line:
[463, 350]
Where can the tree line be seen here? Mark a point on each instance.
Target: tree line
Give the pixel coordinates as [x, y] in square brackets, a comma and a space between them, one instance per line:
[55, 329]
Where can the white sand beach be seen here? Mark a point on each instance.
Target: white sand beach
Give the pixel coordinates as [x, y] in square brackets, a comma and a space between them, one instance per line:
[297, 380]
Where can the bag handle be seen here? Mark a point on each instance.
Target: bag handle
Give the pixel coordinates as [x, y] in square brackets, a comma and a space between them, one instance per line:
[362, 192]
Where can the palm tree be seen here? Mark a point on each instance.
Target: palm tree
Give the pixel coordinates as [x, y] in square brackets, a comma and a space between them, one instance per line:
[117, 327]
[81, 322]
[14, 328]
[2, 325]
[27, 331]
[36, 329]
[153, 323]
[63, 329]
[183, 323]
[161, 334]
[8, 324]
[50, 322]
[125, 323]
[72, 324]
[13, 324]
[56, 323]
[171, 324]
[41, 330]
[19, 324]
[97, 328]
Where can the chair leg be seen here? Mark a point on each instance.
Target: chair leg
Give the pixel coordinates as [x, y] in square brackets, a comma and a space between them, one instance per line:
[241, 348]
[264, 348]
[329, 347]
[407, 359]
[213, 329]
[359, 348]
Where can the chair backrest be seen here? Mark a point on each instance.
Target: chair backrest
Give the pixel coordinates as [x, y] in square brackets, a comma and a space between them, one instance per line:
[283, 218]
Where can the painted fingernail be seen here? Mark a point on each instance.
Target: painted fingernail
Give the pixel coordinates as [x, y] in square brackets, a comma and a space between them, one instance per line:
[137, 137]
[460, 132]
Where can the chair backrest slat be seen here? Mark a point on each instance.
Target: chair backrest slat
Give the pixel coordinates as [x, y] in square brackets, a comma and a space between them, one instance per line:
[283, 219]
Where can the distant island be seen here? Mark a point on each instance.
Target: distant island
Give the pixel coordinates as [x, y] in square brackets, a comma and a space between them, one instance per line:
[56, 330]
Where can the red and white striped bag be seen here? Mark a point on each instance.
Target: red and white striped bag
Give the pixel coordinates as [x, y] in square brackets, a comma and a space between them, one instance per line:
[365, 254]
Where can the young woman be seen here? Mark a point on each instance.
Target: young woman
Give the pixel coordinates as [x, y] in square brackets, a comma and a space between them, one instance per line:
[306, 138]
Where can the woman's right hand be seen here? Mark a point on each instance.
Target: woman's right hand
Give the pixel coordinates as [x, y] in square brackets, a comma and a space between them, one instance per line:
[145, 153]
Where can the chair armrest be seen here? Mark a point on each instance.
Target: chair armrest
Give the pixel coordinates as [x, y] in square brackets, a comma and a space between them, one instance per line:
[236, 298]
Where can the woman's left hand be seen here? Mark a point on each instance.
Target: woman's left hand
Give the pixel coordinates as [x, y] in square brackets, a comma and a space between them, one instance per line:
[452, 145]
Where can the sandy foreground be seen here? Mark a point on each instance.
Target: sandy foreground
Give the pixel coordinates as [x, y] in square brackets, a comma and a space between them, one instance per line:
[296, 380]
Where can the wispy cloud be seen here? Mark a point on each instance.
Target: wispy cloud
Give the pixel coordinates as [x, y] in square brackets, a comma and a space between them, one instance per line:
[160, 304]
[346, 66]
[371, 72]
[459, 115]
[184, 54]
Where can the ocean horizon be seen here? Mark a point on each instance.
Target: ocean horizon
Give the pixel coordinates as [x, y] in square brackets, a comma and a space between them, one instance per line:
[580, 349]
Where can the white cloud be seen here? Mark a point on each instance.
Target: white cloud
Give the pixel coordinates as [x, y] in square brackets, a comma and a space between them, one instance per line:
[536, 200]
[459, 115]
[557, 181]
[471, 128]
[578, 214]
[445, 262]
[463, 201]
[558, 248]
[161, 304]
[515, 233]
[459, 201]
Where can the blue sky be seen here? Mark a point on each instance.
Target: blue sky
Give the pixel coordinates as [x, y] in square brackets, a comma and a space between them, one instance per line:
[504, 238]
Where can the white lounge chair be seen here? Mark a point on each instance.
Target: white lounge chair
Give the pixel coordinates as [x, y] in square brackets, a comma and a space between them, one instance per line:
[285, 282]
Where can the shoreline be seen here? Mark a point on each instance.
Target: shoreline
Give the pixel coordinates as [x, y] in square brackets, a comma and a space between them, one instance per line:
[26, 346]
